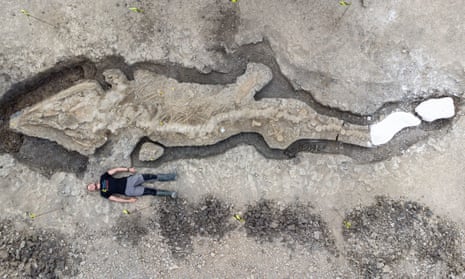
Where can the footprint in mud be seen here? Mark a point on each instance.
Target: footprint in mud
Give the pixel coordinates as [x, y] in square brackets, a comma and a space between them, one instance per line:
[383, 237]
[35, 253]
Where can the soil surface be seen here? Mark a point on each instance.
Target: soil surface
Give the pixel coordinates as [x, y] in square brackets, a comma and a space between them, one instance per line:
[314, 209]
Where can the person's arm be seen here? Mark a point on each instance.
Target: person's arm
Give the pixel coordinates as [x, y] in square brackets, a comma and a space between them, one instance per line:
[124, 200]
[116, 170]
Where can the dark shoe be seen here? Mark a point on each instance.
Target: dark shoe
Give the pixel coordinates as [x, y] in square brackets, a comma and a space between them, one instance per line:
[174, 195]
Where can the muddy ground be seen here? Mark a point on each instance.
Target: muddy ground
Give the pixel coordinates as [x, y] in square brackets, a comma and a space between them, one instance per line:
[317, 209]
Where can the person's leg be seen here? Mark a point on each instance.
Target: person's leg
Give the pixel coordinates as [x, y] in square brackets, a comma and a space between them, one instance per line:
[166, 193]
[155, 192]
[134, 187]
[159, 177]
[149, 176]
[149, 191]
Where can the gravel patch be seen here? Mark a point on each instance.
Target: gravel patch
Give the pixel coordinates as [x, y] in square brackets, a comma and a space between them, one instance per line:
[35, 253]
[382, 235]
[180, 221]
[292, 224]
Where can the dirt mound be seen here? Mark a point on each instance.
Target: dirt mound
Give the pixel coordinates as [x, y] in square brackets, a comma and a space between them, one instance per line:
[35, 253]
[292, 224]
[265, 221]
[212, 218]
[129, 229]
[180, 221]
[390, 231]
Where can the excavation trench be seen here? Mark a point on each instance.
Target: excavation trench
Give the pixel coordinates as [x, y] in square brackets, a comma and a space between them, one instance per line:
[48, 157]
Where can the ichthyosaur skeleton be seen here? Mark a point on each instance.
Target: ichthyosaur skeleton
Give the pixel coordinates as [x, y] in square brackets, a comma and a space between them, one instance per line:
[82, 117]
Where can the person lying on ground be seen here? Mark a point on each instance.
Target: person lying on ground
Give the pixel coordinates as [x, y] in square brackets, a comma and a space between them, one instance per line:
[126, 189]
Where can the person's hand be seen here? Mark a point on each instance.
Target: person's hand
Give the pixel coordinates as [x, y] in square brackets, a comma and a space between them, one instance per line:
[132, 199]
[133, 170]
